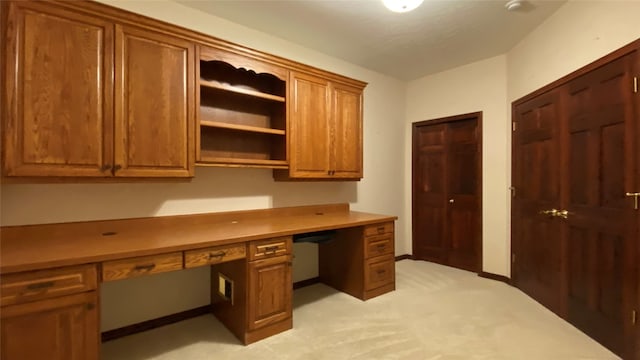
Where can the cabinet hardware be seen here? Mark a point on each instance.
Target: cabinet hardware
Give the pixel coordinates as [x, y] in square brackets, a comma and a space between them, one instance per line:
[635, 199]
[380, 271]
[105, 167]
[451, 201]
[381, 246]
[513, 126]
[40, 285]
[219, 254]
[635, 84]
[116, 168]
[513, 191]
[91, 306]
[146, 267]
[380, 229]
[271, 249]
[563, 214]
[634, 317]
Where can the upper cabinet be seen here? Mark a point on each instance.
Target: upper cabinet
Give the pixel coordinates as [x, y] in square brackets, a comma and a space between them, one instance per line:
[92, 91]
[154, 117]
[63, 115]
[58, 102]
[325, 130]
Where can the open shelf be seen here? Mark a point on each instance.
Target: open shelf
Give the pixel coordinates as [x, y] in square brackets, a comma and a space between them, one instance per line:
[257, 129]
[242, 117]
[231, 162]
[240, 90]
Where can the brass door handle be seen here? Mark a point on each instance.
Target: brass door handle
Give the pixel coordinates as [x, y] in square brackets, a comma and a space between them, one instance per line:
[563, 214]
[552, 212]
[635, 199]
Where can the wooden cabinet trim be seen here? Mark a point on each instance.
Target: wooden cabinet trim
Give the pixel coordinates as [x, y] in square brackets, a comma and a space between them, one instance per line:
[36, 285]
[138, 266]
[214, 255]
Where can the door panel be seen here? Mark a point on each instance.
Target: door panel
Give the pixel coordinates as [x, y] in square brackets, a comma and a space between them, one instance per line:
[347, 146]
[446, 192]
[600, 133]
[154, 109]
[46, 134]
[538, 245]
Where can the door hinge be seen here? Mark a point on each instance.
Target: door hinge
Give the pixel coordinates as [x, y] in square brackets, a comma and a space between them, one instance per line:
[513, 258]
[513, 191]
[513, 126]
[635, 84]
[634, 317]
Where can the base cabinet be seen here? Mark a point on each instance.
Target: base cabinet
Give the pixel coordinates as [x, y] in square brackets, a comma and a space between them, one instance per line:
[270, 289]
[63, 328]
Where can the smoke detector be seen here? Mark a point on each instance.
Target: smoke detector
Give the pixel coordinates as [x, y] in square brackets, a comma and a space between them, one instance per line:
[513, 5]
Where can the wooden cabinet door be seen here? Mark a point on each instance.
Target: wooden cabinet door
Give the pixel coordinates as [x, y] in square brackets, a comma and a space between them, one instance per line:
[346, 147]
[154, 105]
[58, 92]
[64, 328]
[309, 136]
[270, 290]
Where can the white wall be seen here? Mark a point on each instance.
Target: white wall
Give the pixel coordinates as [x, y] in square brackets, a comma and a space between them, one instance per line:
[481, 86]
[131, 301]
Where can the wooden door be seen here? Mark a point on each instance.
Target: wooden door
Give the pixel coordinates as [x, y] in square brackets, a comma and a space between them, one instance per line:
[601, 228]
[309, 136]
[536, 177]
[154, 104]
[64, 328]
[270, 289]
[447, 191]
[58, 113]
[346, 149]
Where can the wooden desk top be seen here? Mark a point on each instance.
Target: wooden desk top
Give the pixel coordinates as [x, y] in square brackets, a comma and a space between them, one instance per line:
[34, 247]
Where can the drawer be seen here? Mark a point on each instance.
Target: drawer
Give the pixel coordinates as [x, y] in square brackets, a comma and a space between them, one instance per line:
[138, 266]
[36, 285]
[378, 229]
[379, 271]
[378, 245]
[214, 255]
[261, 249]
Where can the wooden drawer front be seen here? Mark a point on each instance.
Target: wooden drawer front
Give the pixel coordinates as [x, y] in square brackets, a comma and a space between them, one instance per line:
[268, 248]
[36, 285]
[213, 255]
[378, 245]
[138, 266]
[379, 271]
[378, 229]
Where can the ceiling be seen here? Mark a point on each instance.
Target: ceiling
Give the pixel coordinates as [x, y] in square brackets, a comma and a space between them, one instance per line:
[438, 35]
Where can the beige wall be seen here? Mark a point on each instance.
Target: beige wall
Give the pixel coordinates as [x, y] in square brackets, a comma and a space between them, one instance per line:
[213, 189]
[481, 86]
[575, 35]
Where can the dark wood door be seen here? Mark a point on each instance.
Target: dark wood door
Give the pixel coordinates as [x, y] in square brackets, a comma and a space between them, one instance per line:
[601, 227]
[536, 165]
[270, 291]
[447, 191]
[154, 115]
[57, 59]
[64, 328]
[575, 151]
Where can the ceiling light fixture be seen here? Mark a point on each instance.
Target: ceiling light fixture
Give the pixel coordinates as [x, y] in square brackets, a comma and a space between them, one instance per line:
[401, 6]
[513, 5]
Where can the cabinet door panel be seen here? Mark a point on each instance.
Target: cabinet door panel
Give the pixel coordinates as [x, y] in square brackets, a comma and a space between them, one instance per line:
[58, 92]
[270, 290]
[154, 104]
[64, 328]
[347, 132]
[309, 137]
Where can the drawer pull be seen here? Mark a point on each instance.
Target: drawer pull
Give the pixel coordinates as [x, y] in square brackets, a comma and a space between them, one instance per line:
[147, 267]
[381, 246]
[219, 254]
[380, 229]
[40, 285]
[271, 249]
[380, 271]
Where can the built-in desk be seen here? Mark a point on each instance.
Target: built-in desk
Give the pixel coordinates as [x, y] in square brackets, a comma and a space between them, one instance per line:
[51, 273]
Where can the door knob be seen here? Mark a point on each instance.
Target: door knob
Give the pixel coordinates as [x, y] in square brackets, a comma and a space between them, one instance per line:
[552, 212]
[451, 201]
[635, 199]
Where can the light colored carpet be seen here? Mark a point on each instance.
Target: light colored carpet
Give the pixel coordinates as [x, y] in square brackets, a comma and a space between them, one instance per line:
[436, 312]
